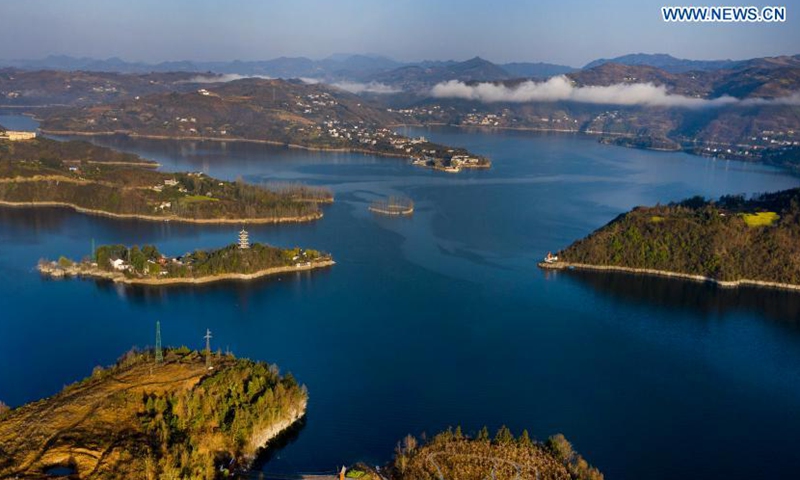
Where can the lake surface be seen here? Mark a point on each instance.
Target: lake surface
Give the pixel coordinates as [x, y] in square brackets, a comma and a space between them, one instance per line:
[443, 318]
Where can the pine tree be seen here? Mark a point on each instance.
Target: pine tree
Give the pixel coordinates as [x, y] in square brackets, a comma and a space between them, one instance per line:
[524, 439]
[504, 436]
[483, 434]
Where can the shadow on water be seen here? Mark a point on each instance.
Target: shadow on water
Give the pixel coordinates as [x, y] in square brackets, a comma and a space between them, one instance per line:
[241, 289]
[271, 453]
[36, 220]
[704, 298]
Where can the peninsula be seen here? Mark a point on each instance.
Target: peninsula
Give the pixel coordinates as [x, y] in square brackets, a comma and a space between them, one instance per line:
[148, 266]
[279, 112]
[731, 242]
[156, 414]
[101, 181]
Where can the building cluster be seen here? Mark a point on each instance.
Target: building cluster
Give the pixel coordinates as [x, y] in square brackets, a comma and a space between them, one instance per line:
[169, 182]
[104, 89]
[777, 138]
[315, 102]
[15, 136]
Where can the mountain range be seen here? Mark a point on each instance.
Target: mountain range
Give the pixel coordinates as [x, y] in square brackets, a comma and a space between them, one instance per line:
[335, 67]
[360, 67]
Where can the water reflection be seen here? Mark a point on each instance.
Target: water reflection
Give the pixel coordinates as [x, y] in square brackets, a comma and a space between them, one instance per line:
[705, 299]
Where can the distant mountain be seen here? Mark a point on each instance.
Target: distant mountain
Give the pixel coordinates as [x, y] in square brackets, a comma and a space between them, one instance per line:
[536, 70]
[665, 62]
[420, 78]
[57, 87]
[359, 63]
[773, 62]
[760, 78]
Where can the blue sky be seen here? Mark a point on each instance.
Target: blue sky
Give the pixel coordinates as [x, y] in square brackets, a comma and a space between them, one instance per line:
[570, 32]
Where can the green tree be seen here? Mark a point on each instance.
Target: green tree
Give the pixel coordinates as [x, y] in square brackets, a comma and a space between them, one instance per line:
[524, 439]
[504, 436]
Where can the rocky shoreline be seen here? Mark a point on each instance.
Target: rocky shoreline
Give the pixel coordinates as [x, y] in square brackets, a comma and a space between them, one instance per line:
[156, 218]
[54, 270]
[392, 212]
[744, 282]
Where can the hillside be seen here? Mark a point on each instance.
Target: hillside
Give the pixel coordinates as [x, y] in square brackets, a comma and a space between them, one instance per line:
[729, 240]
[453, 455]
[535, 70]
[751, 129]
[665, 62]
[101, 181]
[281, 112]
[143, 419]
[420, 78]
[20, 88]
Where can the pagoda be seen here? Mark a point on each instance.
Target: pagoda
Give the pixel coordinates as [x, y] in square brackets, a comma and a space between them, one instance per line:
[244, 239]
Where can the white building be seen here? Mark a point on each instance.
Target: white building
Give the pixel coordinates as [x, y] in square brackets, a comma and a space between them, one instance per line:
[16, 136]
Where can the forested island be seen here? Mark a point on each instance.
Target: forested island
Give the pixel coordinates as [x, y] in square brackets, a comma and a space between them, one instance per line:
[101, 181]
[180, 414]
[732, 241]
[148, 266]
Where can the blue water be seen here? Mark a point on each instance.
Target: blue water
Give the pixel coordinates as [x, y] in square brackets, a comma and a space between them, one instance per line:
[443, 318]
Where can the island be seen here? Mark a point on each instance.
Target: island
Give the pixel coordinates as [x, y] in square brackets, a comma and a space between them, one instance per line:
[279, 112]
[148, 266]
[41, 172]
[172, 413]
[393, 206]
[730, 242]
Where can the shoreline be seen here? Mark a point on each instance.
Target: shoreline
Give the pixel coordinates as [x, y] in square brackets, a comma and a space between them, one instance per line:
[592, 133]
[155, 218]
[264, 437]
[238, 140]
[50, 270]
[744, 282]
[394, 213]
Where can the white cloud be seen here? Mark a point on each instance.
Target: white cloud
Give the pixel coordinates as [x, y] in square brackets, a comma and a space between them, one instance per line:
[223, 78]
[371, 87]
[560, 88]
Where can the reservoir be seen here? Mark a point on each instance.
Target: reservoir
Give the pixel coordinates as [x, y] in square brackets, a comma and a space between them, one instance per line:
[442, 318]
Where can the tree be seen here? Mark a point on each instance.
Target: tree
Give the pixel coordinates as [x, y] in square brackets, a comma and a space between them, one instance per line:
[560, 447]
[524, 439]
[137, 259]
[504, 436]
[483, 434]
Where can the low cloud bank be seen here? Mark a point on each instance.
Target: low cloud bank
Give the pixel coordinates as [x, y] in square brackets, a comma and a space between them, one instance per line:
[223, 78]
[561, 89]
[371, 87]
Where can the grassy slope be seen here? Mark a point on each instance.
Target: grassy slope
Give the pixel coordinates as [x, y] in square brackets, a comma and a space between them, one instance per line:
[135, 420]
[726, 240]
